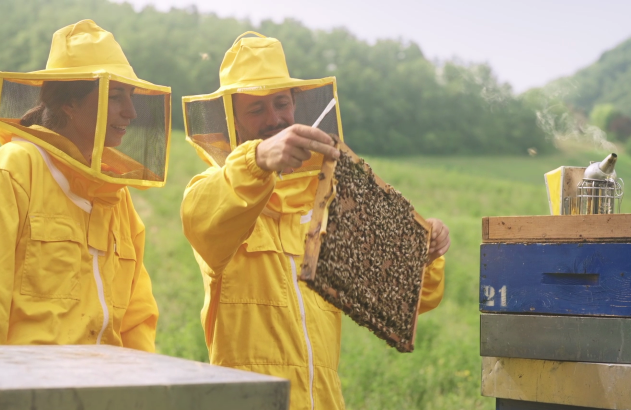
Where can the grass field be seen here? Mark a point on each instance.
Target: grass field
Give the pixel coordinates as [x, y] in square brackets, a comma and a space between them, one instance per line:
[444, 370]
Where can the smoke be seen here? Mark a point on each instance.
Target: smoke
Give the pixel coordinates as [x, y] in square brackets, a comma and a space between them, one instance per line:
[474, 79]
[566, 128]
[563, 126]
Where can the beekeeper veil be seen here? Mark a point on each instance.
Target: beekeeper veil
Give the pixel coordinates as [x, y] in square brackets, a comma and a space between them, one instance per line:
[89, 110]
[256, 100]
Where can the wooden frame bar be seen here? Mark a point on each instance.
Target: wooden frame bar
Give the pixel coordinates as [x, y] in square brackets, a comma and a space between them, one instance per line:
[603, 386]
[557, 228]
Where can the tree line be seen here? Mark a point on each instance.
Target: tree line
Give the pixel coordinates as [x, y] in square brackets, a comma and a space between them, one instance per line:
[393, 100]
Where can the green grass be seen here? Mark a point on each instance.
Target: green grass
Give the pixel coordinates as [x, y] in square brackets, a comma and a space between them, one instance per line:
[444, 370]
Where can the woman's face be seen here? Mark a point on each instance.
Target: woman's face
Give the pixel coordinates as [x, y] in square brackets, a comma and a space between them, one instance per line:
[120, 112]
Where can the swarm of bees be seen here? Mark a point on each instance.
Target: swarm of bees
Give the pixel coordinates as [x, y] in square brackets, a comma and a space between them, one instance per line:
[371, 258]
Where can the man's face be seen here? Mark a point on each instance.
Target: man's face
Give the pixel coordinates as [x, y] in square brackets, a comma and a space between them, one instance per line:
[261, 117]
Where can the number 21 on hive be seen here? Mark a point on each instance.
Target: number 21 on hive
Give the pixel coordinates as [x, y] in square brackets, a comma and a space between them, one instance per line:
[489, 294]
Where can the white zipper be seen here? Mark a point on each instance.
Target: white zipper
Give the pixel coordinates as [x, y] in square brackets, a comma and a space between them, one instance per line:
[85, 205]
[301, 306]
[99, 287]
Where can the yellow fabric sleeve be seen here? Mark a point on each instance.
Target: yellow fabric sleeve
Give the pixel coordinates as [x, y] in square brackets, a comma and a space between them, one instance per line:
[13, 207]
[433, 285]
[221, 205]
[138, 328]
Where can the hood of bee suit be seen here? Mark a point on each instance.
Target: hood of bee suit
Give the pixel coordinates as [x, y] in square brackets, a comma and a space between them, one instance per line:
[85, 52]
[253, 62]
[85, 46]
[256, 66]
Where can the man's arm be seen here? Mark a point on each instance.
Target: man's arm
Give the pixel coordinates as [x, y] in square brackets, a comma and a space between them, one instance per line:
[434, 277]
[433, 285]
[221, 205]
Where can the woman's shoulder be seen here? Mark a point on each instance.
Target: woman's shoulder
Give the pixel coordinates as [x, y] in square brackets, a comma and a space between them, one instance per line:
[18, 156]
[19, 159]
[22, 161]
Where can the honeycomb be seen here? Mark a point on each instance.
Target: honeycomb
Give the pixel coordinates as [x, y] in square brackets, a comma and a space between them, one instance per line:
[371, 258]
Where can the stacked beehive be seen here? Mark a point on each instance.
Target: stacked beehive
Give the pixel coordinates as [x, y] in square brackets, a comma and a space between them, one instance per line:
[555, 297]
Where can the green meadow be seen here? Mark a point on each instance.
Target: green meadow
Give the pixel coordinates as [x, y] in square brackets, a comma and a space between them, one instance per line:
[444, 370]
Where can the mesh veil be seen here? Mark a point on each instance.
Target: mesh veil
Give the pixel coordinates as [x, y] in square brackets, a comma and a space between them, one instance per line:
[86, 140]
[210, 120]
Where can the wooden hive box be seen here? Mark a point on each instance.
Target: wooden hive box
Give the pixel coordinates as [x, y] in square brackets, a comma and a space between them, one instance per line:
[555, 298]
[366, 250]
[108, 377]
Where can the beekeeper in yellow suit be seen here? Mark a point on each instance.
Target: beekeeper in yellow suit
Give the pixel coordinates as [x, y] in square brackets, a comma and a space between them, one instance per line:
[247, 215]
[74, 136]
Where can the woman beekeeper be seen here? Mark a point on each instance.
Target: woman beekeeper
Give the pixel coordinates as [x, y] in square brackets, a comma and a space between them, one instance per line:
[74, 136]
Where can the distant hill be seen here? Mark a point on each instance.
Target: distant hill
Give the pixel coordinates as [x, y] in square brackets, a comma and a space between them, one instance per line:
[607, 81]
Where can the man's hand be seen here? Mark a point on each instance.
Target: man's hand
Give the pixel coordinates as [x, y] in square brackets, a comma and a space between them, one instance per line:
[293, 145]
[440, 239]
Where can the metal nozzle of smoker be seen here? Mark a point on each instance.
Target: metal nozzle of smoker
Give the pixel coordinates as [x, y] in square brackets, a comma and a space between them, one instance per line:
[600, 191]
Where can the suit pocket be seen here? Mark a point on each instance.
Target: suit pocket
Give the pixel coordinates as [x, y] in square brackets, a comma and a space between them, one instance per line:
[125, 265]
[324, 305]
[53, 258]
[256, 273]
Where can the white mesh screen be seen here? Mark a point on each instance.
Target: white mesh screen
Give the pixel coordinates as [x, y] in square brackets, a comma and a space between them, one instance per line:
[206, 127]
[16, 99]
[144, 145]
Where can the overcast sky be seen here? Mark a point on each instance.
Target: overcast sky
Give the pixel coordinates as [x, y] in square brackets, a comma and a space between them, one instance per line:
[527, 42]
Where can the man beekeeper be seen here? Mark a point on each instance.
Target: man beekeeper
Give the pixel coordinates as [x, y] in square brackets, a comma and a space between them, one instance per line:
[247, 215]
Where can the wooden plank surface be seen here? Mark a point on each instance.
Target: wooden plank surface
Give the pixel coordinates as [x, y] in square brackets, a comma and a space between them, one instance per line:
[564, 338]
[603, 386]
[563, 279]
[557, 228]
[108, 377]
[506, 404]
[314, 239]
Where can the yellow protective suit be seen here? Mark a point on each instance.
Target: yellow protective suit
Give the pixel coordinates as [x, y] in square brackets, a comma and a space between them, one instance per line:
[248, 232]
[69, 275]
[71, 260]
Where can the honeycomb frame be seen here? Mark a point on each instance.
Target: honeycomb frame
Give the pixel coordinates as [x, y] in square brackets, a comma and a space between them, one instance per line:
[363, 305]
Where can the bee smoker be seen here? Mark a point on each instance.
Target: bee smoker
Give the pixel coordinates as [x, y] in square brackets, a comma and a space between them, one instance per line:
[600, 191]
